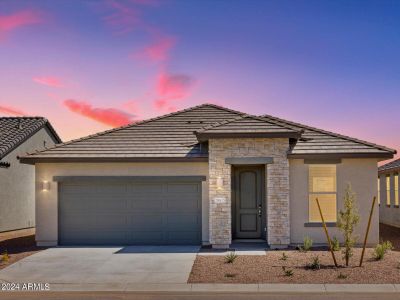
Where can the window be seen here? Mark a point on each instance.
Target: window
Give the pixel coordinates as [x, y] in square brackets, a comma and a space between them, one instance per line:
[396, 189]
[388, 190]
[322, 185]
[379, 191]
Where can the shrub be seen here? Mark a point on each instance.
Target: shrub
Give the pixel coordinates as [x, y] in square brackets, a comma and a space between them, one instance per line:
[347, 220]
[342, 276]
[284, 256]
[315, 264]
[287, 272]
[307, 244]
[230, 275]
[381, 249]
[335, 244]
[230, 257]
[5, 257]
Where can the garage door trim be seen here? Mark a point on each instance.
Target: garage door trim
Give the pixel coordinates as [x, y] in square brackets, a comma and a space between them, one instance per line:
[128, 178]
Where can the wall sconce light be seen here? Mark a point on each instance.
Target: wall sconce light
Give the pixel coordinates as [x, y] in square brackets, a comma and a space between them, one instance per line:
[220, 183]
[45, 185]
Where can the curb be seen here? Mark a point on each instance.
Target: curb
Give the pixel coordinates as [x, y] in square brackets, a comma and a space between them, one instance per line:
[265, 288]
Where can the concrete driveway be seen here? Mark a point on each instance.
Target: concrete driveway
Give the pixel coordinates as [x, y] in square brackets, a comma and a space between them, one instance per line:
[133, 264]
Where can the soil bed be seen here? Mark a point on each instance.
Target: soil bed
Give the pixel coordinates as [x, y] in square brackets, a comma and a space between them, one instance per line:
[18, 244]
[268, 268]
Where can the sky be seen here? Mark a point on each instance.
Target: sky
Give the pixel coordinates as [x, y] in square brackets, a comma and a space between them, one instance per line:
[92, 65]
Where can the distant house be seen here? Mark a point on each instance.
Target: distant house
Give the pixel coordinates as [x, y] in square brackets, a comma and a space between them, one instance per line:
[17, 181]
[204, 175]
[388, 187]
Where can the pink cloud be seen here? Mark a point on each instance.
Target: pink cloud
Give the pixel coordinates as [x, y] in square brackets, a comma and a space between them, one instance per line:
[108, 116]
[49, 81]
[132, 106]
[159, 50]
[19, 19]
[124, 17]
[172, 87]
[8, 110]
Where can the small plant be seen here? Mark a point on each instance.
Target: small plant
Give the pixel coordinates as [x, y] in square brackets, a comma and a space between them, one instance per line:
[230, 257]
[307, 244]
[348, 218]
[230, 275]
[287, 272]
[381, 249]
[284, 256]
[342, 276]
[315, 264]
[5, 257]
[335, 244]
[398, 265]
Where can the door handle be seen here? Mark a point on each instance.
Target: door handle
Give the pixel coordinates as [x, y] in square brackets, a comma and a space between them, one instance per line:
[259, 211]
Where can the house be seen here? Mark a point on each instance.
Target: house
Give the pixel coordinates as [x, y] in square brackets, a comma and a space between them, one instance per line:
[388, 193]
[17, 191]
[203, 175]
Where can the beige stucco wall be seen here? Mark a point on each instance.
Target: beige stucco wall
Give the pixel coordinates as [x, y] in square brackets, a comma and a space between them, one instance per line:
[46, 201]
[361, 173]
[389, 215]
[17, 189]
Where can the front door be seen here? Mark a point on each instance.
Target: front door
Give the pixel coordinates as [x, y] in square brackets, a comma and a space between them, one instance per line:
[248, 205]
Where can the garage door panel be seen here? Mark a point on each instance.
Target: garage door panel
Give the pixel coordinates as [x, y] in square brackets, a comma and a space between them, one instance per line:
[155, 213]
[146, 222]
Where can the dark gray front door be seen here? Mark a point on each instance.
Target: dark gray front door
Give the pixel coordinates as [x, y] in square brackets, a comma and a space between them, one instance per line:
[129, 213]
[248, 202]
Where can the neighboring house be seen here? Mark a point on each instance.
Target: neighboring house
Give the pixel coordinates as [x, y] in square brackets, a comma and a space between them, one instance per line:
[18, 136]
[206, 174]
[388, 196]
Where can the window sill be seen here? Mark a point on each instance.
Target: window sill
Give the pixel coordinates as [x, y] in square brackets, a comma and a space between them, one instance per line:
[319, 224]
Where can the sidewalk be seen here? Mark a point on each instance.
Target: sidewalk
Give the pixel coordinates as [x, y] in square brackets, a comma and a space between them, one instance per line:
[227, 288]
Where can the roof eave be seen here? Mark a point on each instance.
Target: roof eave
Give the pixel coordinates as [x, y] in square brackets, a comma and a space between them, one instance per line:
[32, 160]
[387, 155]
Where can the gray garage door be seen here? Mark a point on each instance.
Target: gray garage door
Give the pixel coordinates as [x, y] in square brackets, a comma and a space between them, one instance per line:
[129, 211]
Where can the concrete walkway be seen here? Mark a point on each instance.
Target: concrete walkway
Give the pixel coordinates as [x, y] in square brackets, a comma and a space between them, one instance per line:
[111, 265]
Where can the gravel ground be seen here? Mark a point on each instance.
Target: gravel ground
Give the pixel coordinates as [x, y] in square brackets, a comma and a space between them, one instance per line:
[19, 244]
[268, 268]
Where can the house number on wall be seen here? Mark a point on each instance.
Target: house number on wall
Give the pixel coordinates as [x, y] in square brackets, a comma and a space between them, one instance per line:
[219, 200]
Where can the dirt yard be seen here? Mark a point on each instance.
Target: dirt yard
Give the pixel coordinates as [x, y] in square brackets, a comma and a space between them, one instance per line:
[18, 244]
[268, 268]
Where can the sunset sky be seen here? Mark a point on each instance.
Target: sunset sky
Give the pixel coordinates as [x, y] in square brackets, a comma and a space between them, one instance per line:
[90, 65]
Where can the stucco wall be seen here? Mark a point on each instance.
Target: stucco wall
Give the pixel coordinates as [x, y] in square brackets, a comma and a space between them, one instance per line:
[361, 173]
[389, 215]
[46, 201]
[17, 189]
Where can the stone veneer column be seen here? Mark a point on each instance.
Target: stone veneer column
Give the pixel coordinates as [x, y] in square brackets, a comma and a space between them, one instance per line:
[277, 187]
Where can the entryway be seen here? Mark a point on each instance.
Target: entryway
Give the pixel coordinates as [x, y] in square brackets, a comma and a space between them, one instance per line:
[248, 204]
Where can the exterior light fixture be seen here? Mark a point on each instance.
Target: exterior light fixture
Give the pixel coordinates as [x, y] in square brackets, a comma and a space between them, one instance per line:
[220, 183]
[45, 185]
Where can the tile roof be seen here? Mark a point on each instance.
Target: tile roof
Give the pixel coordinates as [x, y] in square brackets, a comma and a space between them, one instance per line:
[173, 137]
[315, 141]
[248, 125]
[16, 130]
[170, 136]
[391, 166]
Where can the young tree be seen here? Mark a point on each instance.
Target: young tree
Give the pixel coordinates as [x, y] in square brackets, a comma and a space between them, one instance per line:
[348, 218]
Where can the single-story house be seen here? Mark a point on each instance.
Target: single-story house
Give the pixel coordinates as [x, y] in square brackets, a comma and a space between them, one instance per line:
[203, 175]
[388, 193]
[19, 135]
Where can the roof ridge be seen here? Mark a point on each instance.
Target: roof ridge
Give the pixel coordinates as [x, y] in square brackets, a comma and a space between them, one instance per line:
[128, 125]
[244, 116]
[332, 134]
